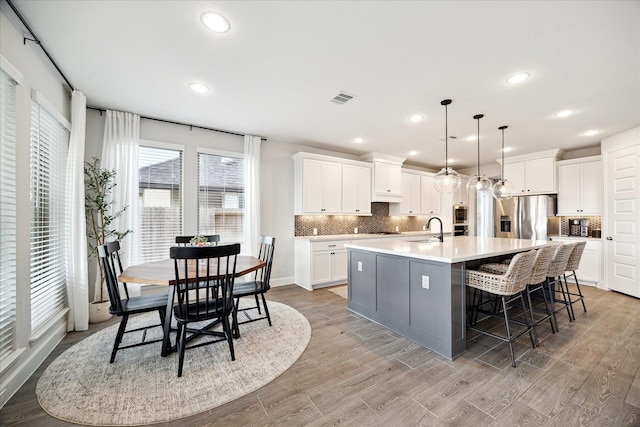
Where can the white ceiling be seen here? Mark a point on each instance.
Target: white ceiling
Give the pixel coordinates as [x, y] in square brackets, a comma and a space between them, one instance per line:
[275, 72]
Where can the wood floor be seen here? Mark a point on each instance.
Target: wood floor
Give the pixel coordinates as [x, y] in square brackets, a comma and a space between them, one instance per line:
[355, 372]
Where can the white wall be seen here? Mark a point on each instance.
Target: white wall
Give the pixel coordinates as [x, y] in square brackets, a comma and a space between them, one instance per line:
[37, 75]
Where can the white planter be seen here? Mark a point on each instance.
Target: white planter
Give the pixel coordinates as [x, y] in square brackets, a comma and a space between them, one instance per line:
[99, 311]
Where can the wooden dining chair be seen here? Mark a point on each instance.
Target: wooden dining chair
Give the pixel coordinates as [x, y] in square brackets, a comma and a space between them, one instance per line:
[127, 306]
[213, 269]
[185, 240]
[258, 286]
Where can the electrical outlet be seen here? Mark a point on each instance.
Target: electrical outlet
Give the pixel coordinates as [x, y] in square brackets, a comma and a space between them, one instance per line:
[355, 230]
[425, 282]
[359, 265]
[315, 231]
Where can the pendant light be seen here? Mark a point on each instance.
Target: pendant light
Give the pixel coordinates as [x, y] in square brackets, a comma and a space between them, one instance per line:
[447, 180]
[502, 189]
[479, 184]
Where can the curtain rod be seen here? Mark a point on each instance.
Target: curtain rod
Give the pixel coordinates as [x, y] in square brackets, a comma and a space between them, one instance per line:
[37, 41]
[179, 123]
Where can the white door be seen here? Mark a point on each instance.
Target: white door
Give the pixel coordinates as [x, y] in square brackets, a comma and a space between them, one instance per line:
[622, 215]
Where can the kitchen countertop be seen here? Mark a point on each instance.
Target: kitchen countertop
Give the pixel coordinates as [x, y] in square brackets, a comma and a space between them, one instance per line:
[453, 249]
[565, 236]
[364, 236]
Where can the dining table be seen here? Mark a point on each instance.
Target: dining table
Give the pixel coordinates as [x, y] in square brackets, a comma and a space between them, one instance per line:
[162, 273]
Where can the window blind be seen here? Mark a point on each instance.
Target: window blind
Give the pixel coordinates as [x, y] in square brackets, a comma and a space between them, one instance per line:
[160, 176]
[221, 196]
[7, 214]
[49, 144]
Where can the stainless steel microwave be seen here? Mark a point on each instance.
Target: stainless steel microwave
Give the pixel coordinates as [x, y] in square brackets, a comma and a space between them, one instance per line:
[460, 214]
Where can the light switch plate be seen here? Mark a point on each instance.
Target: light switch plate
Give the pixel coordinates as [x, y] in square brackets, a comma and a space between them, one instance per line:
[425, 282]
[359, 265]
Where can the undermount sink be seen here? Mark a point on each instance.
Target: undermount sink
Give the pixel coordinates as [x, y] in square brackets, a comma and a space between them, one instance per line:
[431, 240]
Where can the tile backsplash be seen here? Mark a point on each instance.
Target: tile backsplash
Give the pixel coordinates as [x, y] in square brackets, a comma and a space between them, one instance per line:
[595, 223]
[344, 224]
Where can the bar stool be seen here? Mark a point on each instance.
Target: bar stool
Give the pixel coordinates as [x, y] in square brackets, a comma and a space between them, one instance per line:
[535, 283]
[508, 285]
[572, 266]
[554, 282]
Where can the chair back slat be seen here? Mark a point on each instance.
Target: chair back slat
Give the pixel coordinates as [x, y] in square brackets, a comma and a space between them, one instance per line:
[541, 264]
[267, 248]
[559, 261]
[111, 268]
[205, 277]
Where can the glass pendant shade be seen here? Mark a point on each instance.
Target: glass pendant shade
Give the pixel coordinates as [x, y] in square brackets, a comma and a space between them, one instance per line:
[446, 181]
[478, 184]
[502, 189]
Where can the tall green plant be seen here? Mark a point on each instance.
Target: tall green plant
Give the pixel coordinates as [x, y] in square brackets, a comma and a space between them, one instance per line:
[99, 184]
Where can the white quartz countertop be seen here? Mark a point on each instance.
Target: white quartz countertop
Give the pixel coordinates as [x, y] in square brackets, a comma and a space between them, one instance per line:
[566, 237]
[364, 236]
[453, 249]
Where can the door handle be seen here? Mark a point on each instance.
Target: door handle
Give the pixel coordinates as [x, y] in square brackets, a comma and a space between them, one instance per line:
[609, 238]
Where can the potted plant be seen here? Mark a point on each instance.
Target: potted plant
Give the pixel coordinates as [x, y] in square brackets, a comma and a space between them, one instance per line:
[99, 184]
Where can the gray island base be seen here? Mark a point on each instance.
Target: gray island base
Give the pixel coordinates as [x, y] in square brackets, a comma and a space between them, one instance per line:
[417, 289]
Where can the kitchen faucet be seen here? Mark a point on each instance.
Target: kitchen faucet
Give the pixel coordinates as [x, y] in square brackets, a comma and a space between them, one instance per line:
[441, 235]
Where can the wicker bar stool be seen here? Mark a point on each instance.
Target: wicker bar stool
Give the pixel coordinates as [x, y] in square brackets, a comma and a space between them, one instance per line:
[554, 283]
[508, 285]
[535, 285]
[572, 266]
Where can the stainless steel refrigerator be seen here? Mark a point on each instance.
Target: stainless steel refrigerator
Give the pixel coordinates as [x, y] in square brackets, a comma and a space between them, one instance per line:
[524, 217]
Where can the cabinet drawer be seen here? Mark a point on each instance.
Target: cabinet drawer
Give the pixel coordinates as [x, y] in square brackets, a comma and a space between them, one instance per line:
[328, 245]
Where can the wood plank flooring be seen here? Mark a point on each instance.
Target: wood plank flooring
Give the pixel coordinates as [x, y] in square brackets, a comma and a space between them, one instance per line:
[355, 372]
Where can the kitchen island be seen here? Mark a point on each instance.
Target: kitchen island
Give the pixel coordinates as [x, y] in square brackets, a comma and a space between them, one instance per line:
[417, 289]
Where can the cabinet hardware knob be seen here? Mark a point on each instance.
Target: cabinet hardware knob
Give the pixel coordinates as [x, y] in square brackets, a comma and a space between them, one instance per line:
[609, 238]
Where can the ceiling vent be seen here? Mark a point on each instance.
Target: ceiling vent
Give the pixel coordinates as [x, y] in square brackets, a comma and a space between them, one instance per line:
[341, 98]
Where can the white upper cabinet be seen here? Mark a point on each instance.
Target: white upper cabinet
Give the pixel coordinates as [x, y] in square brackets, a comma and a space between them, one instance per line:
[410, 204]
[430, 203]
[460, 196]
[532, 174]
[322, 184]
[387, 177]
[580, 187]
[356, 190]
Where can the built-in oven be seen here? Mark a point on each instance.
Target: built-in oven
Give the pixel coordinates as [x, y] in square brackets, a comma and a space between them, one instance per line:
[460, 230]
[460, 214]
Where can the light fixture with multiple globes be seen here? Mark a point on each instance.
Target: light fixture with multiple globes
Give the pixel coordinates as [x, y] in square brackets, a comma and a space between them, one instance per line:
[447, 180]
[478, 184]
[502, 189]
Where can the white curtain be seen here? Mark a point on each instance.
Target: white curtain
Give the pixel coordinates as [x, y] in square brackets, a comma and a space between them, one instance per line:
[120, 153]
[76, 247]
[251, 224]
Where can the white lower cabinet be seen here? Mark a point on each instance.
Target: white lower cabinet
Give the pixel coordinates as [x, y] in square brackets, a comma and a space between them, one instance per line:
[319, 264]
[590, 269]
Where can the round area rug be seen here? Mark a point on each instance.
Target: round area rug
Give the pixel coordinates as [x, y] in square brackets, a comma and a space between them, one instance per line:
[141, 387]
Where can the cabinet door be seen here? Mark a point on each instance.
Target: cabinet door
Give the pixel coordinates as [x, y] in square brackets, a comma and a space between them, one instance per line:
[514, 172]
[363, 187]
[591, 189]
[460, 196]
[589, 269]
[320, 267]
[311, 186]
[410, 204]
[339, 260]
[429, 197]
[349, 189]
[569, 189]
[387, 178]
[331, 187]
[540, 175]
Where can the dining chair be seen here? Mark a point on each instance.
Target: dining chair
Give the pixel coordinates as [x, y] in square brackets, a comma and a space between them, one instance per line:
[213, 269]
[185, 240]
[127, 306]
[554, 283]
[258, 286]
[508, 287]
[570, 270]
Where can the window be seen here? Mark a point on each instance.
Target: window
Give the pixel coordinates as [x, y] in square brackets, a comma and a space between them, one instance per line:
[160, 201]
[7, 213]
[221, 195]
[49, 144]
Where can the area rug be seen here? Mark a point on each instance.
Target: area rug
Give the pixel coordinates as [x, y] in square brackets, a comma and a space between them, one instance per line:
[141, 387]
[340, 290]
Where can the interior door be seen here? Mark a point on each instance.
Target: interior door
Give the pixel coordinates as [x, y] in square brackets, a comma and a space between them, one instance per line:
[622, 244]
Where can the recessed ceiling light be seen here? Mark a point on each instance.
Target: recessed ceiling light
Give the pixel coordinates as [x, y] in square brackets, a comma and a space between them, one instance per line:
[358, 140]
[416, 118]
[563, 113]
[215, 22]
[591, 132]
[471, 138]
[413, 153]
[517, 78]
[451, 160]
[198, 87]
